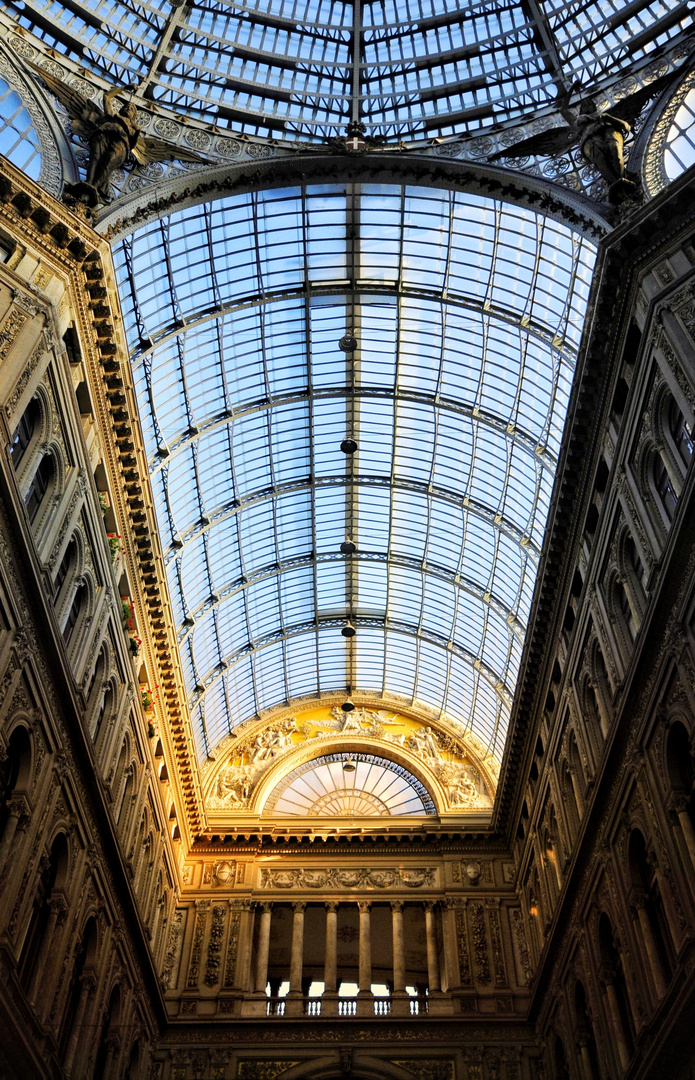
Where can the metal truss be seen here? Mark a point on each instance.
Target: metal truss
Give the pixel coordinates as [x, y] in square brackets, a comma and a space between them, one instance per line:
[502, 691]
[295, 71]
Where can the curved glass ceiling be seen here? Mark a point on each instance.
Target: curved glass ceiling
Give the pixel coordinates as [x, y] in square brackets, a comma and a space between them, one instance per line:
[309, 67]
[467, 314]
[350, 785]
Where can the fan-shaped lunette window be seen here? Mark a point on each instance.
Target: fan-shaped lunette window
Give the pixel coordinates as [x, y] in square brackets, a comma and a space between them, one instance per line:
[19, 141]
[679, 149]
[308, 69]
[466, 315]
[350, 785]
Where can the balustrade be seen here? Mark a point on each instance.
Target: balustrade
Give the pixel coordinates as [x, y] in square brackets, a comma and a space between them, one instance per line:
[295, 1001]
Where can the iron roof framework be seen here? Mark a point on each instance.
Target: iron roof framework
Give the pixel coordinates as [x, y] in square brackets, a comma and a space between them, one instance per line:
[467, 315]
[308, 68]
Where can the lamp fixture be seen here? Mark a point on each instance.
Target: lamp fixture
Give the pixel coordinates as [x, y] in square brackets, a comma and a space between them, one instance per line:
[349, 446]
[348, 630]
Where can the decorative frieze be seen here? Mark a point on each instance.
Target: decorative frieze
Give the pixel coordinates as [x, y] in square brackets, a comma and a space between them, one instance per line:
[462, 943]
[359, 878]
[10, 329]
[171, 957]
[522, 945]
[212, 968]
[201, 913]
[493, 913]
[232, 945]
[479, 935]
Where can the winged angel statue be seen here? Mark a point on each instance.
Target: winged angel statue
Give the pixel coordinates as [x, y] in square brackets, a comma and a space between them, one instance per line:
[600, 137]
[113, 137]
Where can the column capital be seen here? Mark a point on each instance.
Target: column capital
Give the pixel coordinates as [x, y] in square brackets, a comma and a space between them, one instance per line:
[397, 905]
[606, 974]
[299, 906]
[88, 980]
[266, 906]
[332, 905]
[678, 804]
[364, 905]
[429, 905]
[59, 906]
[638, 898]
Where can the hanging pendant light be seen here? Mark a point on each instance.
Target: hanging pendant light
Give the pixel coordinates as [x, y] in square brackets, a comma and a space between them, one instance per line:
[348, 630]
[348, 706]
[349, 446]
[349, 765]
[348, 547]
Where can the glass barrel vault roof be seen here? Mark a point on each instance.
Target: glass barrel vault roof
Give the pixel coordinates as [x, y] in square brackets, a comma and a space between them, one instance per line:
[307, 68]
[468, 315]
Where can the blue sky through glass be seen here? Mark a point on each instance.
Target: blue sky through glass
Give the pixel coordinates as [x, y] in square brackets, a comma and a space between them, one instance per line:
[468, 314]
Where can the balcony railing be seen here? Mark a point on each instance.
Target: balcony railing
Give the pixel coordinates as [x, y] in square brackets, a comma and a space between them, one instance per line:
[347, 1006]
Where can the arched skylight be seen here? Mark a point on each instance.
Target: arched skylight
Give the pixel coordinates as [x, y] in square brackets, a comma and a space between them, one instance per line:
[467, 315]
[19, 142]
[350, 785]
[679, 151]
[309, 67]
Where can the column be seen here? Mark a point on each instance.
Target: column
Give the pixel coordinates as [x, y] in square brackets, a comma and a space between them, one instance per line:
[88, 983]
[330, 972]
[243, 959]
[398, 947]
[432, 955]
[680, 813]
[294, 1005]
[17, 808]
[582, 1044]
[577, 793]
[365, 961]
[607, 975]
[113, 1043]
[297, 959]
[263, 948]
[639, 904]
[57, 909]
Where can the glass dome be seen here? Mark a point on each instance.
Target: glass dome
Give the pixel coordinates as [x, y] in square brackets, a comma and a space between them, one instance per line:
[308, 68]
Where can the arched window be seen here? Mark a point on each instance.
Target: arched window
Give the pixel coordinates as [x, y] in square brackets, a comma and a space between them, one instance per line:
[24, 432]
[584, 1035]
[103, 710]
[79, 600]
[665, 491]
[134, 1061]
[55, 868]
[85, 957]
[561, 1068]
[680, 433]
[613, 976]
[66, 564]
[623, 610]
[652, 920]
[40, 483]
[109, 1030]
[15, 771]
[680, 761]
